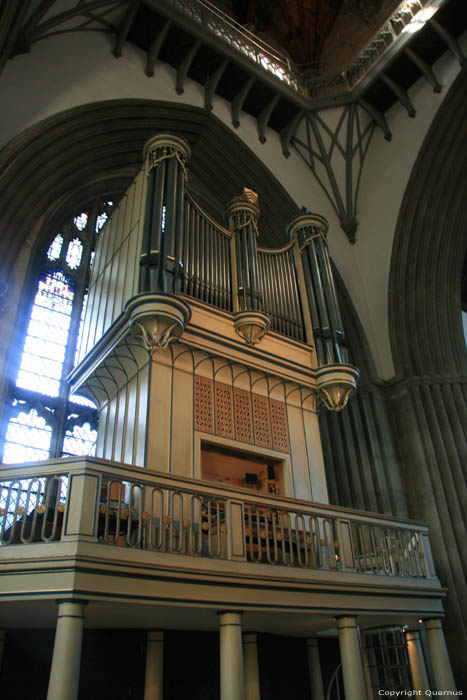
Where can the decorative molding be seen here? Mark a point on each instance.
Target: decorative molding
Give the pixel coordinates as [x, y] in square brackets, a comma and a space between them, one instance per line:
[261, 421]
[280, 432]
[203, 405]
[252, 326]
[328, 152]
[336, 385]
[243, 416]
[148, 322]
[223, 407]
[220, 409]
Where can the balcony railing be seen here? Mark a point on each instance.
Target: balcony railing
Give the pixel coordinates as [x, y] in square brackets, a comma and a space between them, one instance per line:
[126, 507]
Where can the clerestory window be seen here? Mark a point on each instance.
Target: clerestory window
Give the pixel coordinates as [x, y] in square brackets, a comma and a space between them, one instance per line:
[43, 421]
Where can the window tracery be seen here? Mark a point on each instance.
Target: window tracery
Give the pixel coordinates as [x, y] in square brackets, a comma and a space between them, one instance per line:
[43, 420]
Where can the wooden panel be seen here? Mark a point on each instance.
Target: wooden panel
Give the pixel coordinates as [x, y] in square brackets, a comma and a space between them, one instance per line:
[203, 405]
[223, 410]
[262, 421]
[243, 417]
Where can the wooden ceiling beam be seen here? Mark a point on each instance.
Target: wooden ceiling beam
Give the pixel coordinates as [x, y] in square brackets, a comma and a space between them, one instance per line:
[400, 93]
[424, 69]
[155, 48]
[264, 117]
[212, 83]
[184, 67]
[124, 27]
[450, 41]
[239, 99]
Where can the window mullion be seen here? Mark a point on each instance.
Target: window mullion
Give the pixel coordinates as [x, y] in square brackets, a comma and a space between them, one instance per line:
[81, 279]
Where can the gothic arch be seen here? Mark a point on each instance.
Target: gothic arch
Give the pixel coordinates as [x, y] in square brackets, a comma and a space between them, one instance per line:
[96, 149]
[429, 249]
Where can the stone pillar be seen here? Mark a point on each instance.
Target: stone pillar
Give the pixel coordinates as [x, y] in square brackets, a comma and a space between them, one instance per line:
[231, 656]
[66, 660]
[416, 661]
[154, 683]
[250, 652]
[351, 656]
[314, 670]
[444, 679]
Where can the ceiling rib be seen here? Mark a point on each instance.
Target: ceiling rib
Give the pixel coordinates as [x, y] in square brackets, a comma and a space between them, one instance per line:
[450, 42]
[37, 15]
[400, 93]
[289, 130]
[11, 19]
[155, 48]
[239, 99]
[184, 67]
[212, 83]
[265, 116]
[378, 117]
[124, 28]
[424, 69]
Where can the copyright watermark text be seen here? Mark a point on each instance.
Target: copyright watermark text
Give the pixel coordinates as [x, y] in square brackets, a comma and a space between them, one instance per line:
[418, 693]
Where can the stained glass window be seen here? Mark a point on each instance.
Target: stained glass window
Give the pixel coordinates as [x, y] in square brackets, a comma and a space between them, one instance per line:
[74, 253]
[28, 436]
[44, 419]
[55, 248]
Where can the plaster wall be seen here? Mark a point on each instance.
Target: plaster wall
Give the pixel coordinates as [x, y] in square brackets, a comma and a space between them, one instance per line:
[72, 70]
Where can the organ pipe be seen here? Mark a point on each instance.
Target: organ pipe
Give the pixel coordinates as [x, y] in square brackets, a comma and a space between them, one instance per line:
[310, 231]
[164, 224]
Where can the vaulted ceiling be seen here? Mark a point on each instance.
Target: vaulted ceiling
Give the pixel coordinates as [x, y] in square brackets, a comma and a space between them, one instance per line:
[319, 35]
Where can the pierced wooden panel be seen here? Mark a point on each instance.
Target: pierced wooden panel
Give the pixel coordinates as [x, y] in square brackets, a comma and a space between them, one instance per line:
[243, 422]
[223, 410]
[280, 432]
[261, 421]
[203, 405]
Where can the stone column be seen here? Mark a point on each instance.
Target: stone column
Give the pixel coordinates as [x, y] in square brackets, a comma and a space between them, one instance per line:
[250, 652]
[66, 660]
[154, 683]
[416, 661]
[351, 656]
[231, 656]
[314, 670]
[444, 679]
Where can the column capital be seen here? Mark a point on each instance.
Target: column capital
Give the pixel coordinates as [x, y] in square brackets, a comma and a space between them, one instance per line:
[344, 621]
[230, 617]
[250, 638]
[312, 642]
[433, 624]
[155, 635]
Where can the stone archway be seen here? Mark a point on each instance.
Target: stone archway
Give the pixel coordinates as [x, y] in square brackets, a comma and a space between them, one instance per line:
[429, 396]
